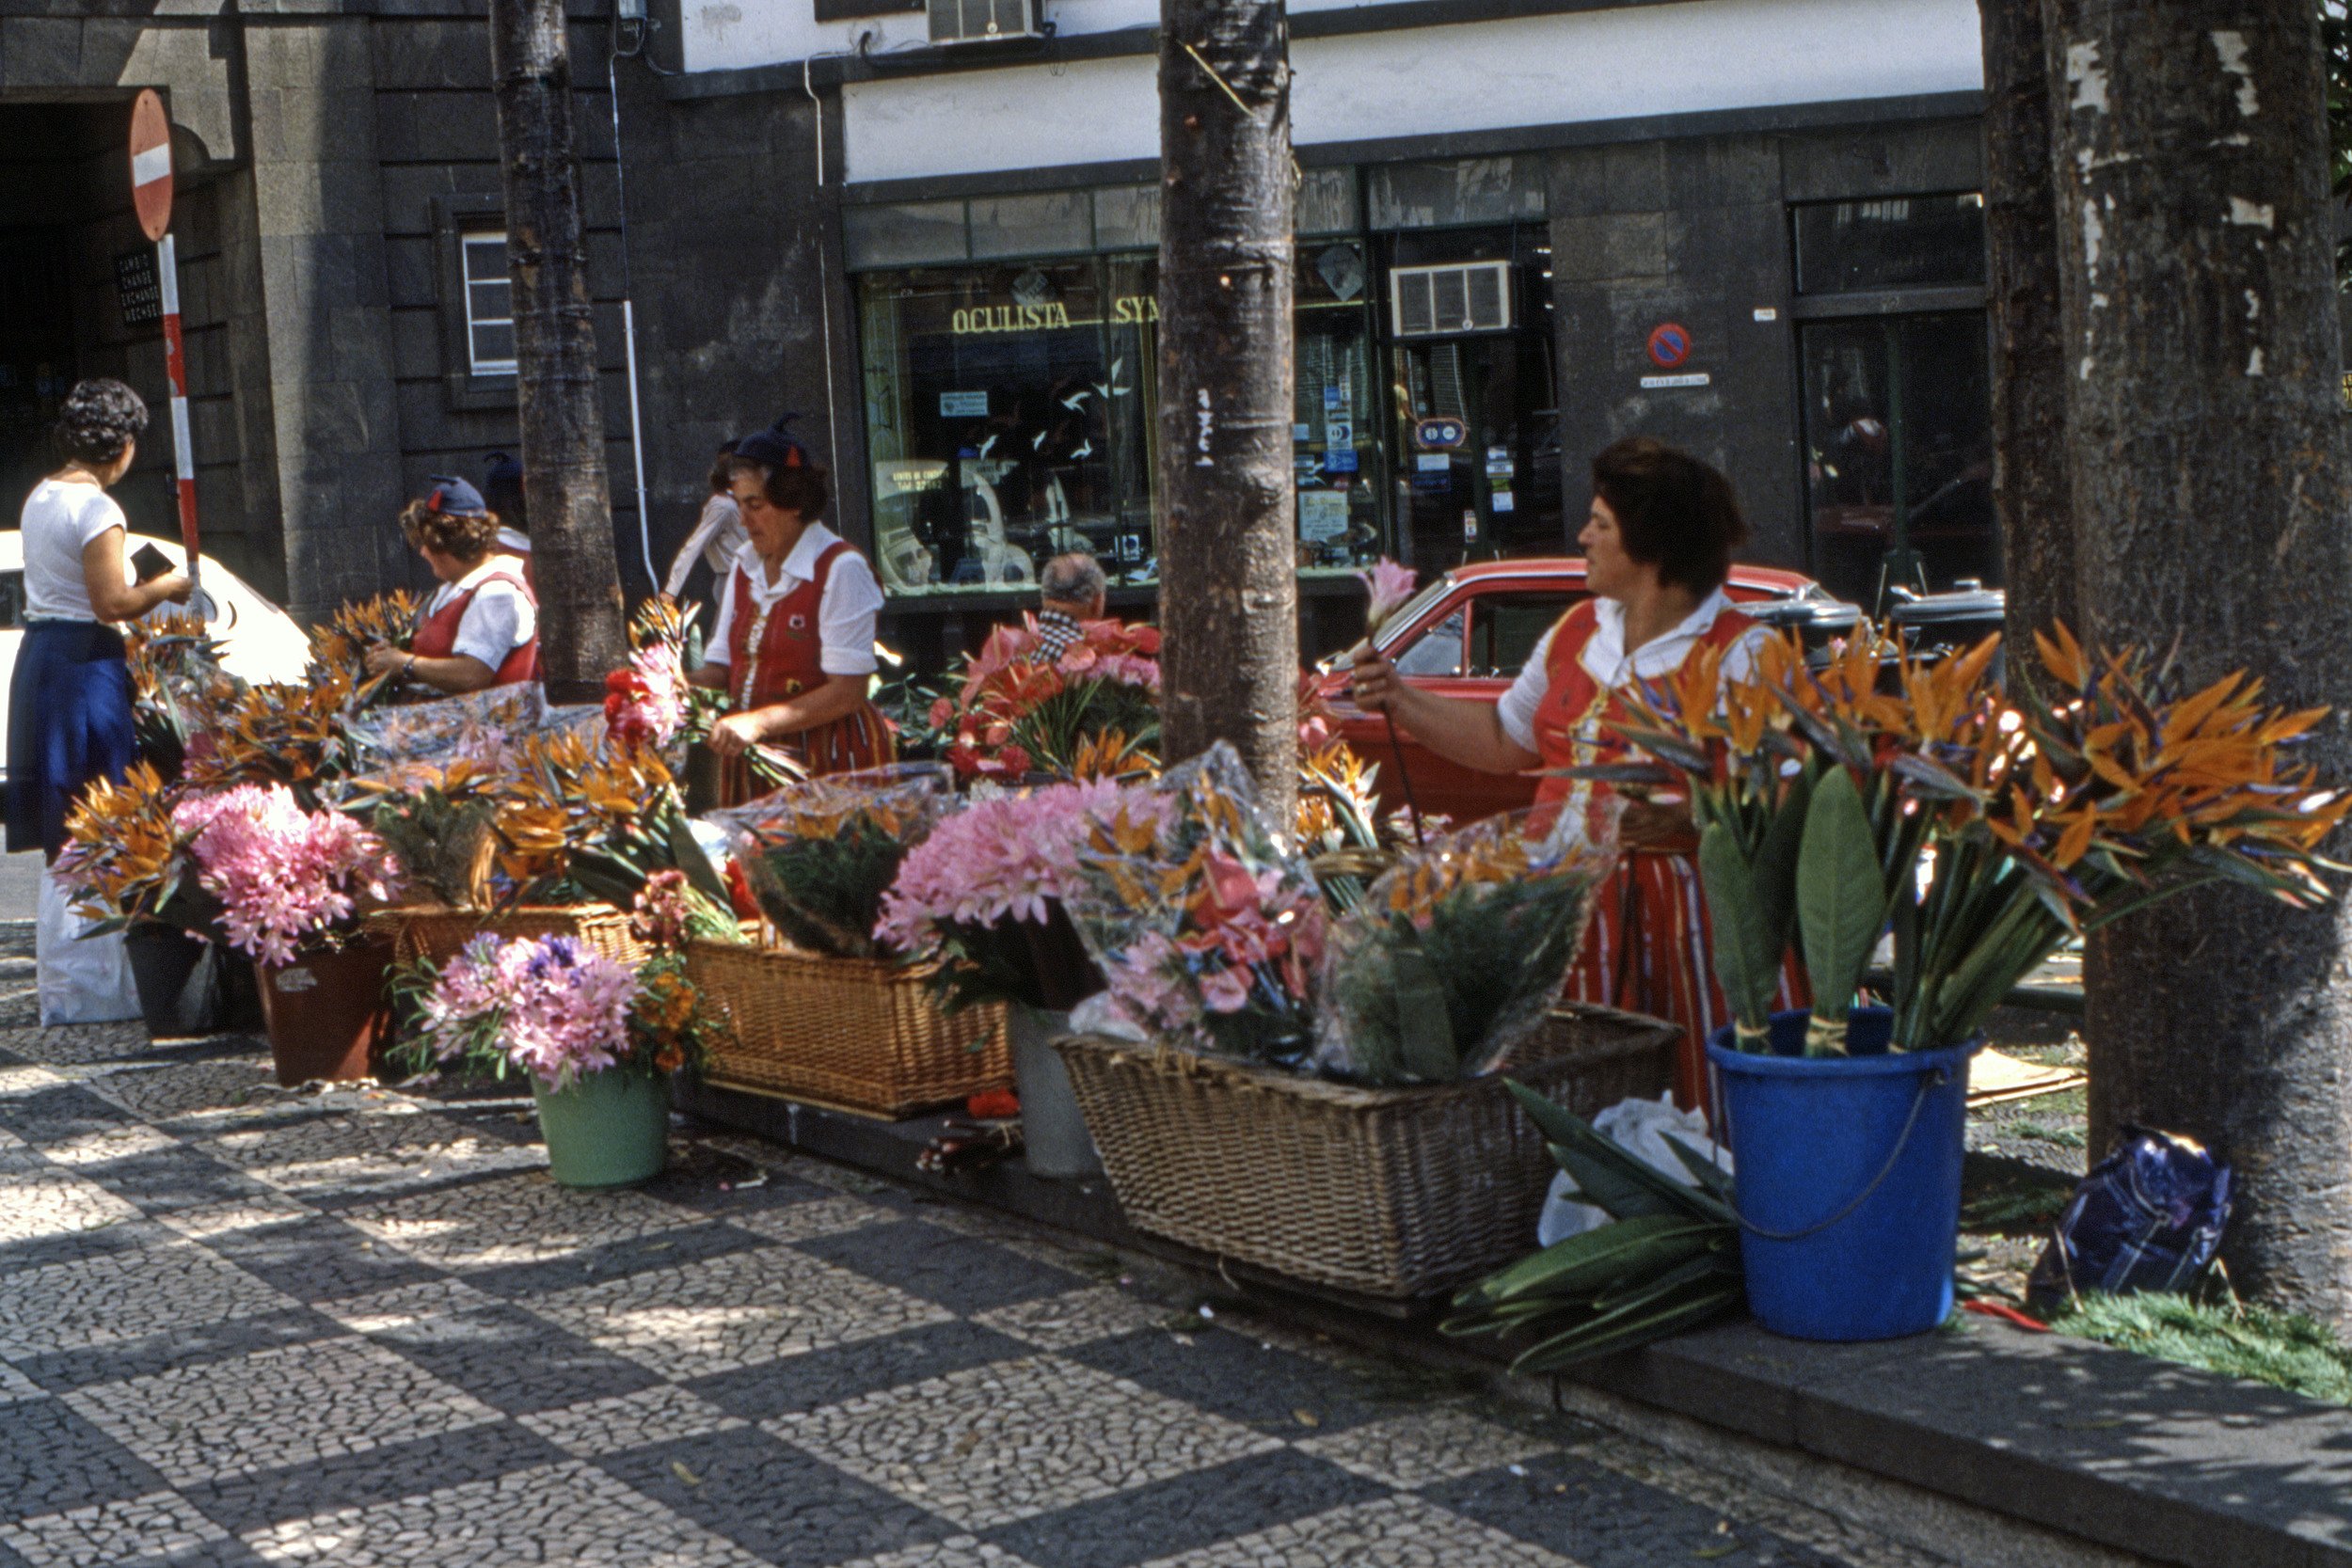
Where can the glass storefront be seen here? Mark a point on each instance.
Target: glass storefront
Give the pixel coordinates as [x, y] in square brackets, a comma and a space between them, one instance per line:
[1009, 348]
[1011, 406]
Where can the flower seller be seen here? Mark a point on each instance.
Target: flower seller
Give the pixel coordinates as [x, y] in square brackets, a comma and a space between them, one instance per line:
[70, 695]
[1657, 549]
[481, 627]
[793, 647]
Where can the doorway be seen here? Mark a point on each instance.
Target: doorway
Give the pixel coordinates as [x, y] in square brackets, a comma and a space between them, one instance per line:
[37, 363]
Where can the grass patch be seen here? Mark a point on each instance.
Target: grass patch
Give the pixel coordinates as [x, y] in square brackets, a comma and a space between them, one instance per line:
[2007, 1196]
[2042, 1132]
[2282, 1348]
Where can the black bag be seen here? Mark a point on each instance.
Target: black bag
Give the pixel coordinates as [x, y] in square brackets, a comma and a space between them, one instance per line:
[2148, 1217]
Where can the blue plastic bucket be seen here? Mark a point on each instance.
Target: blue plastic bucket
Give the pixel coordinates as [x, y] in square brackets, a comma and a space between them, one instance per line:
[1848, 1178]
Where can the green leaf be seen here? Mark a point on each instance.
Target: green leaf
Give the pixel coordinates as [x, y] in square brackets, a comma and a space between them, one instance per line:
[1427, 1049]
[1609, 1178]
[1775, 862]
[1593, 1260]
[1841, 901]
[1633, 1323]
[1746, 960]
[1710, 1176]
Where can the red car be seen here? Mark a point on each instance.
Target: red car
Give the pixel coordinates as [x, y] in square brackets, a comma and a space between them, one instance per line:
[1467, 633]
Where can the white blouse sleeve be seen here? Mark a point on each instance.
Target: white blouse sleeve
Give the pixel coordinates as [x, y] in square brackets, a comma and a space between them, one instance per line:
[1516, 709]
[845, 621]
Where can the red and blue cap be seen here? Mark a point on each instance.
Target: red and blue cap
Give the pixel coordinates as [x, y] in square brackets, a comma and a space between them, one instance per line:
[773, 448]
[452, 497]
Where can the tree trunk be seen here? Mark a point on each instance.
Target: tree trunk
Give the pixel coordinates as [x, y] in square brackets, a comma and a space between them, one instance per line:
[1229, 567]
[2200, 323]
[2031, 494]
[582, 622]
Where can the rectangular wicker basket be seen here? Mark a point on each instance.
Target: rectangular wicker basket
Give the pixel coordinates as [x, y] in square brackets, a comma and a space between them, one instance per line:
[856, 1033]
[1395, 1193]
[437, 932]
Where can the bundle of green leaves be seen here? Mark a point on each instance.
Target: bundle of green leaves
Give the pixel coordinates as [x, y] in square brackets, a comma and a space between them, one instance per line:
[1668, 1264]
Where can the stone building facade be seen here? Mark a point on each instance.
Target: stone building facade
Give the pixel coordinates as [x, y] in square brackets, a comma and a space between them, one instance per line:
[1527, 227]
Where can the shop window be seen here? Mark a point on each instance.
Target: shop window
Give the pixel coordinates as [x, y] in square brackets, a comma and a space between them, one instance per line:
[1913, 242]
[489, 305]
[1505, 628]
[989, 401]
[1336, 425]
[903, 234]
[1899, 452]
[1454, 192]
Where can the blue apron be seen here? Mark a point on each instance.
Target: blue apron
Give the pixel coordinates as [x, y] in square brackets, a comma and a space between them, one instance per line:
[68, 723]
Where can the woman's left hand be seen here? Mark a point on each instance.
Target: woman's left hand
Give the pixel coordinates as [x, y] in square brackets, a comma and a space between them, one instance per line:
[382, 658]
[735, 734]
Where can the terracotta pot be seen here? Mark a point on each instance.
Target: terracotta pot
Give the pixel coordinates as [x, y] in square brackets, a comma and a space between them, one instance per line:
[327, 1012]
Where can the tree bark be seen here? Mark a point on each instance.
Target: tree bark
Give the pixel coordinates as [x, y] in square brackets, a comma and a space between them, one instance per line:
[582, 622]
[2032, 498]
[1229, 567]
[2201, 329]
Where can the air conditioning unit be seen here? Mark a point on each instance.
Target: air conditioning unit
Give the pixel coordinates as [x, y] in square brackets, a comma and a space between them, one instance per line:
[1471, 296]
[981, 20]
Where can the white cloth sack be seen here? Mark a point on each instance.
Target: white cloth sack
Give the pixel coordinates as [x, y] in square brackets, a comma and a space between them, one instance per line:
[81, 980]
[1639, 1127]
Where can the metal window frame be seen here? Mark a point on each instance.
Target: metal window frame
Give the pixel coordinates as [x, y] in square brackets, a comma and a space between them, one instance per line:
[465, 388]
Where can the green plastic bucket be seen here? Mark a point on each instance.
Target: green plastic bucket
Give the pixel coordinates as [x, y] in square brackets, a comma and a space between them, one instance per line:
[607, 1129]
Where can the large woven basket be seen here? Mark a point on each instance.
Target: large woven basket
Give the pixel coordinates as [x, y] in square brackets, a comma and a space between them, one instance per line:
[437, 932]
[855, 1033]
[1395, 1193]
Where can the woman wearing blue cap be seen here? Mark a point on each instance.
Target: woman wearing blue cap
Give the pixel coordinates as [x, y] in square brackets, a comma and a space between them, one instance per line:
[794, 643]
[481, 627]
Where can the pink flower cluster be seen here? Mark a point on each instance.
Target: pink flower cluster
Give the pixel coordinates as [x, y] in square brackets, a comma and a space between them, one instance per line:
[560, 1009]
[1001, 859]
[1390, 586]
[282, 873]
[645, 704]
[1242, 937]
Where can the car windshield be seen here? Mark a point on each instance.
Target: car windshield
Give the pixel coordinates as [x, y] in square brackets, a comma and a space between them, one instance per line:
[1399, 621]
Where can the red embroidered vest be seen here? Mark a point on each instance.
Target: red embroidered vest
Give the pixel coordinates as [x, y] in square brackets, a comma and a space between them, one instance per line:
[437, 636]
[1575, 723]
[790, 655]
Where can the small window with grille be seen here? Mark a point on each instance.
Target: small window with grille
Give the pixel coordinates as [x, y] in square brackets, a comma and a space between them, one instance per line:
[489, 305]
[1432, 301]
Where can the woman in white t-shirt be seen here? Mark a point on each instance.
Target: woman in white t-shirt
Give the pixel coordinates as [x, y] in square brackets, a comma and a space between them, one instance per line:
[70, 696]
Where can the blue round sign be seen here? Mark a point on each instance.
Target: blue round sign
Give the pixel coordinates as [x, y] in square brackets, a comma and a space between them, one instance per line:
[1440, 435]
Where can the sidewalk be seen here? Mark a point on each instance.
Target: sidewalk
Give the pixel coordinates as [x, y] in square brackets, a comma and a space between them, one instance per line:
[243, 1325]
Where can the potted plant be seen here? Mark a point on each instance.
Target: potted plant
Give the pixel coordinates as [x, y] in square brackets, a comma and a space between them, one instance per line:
[292, 885]
[597, 1038]
[827, 1012]
[1308, 1096]
[980, 904]
[1981, 831]
[129, 866]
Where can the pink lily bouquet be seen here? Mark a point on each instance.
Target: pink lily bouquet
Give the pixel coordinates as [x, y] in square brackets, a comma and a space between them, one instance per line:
[287, 878]
[983, 898]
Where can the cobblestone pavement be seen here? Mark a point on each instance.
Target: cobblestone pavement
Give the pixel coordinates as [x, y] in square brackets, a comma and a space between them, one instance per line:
[239, 1326]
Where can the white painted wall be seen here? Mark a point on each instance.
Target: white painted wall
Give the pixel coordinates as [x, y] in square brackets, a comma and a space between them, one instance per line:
[724, 35]
[1589, 66]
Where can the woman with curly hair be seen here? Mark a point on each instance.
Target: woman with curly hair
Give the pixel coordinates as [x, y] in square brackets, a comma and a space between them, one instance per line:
[481, 627]
[70, 697]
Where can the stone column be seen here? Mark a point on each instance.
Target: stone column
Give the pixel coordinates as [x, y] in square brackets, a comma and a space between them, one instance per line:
[319, 211]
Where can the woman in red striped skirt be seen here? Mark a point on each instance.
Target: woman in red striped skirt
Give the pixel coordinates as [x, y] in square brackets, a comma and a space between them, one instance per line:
[1657, 549]
[794, 644]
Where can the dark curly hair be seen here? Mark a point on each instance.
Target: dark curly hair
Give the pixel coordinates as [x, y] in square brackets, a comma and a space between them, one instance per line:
[804, 488]
[100, 417]
[1674, 512]
[464, 540]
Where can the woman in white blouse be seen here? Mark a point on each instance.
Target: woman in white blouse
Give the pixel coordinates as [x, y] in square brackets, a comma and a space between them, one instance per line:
[70, 696]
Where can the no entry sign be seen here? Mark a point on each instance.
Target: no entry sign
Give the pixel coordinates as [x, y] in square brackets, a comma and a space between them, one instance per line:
[150, 163]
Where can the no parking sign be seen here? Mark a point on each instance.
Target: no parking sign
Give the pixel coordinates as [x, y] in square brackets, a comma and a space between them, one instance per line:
[1669, 344]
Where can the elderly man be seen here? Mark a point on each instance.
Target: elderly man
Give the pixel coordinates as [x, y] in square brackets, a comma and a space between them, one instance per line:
[1073, 591]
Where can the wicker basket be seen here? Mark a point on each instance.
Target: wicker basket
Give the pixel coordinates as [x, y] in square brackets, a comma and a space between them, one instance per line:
[1395, 1193]
[437, 932]
[855, 1033]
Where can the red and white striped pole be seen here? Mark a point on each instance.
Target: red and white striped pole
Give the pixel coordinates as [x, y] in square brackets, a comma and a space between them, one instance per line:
[151, 193]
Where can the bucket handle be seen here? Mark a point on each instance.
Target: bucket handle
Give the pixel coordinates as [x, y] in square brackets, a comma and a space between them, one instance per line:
[1927, 1084]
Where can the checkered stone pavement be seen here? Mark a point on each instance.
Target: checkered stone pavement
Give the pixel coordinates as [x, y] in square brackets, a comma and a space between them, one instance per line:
[243, 1327]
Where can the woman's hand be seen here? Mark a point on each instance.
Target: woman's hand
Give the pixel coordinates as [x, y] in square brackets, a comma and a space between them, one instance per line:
[737, 732]
[382, 658]
[1373, 681]
[175, 586]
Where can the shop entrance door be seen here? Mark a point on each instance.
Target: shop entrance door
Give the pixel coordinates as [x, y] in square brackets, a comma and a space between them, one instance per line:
[36, 354]
[1479, 442]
